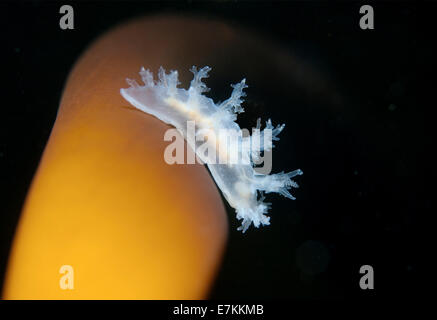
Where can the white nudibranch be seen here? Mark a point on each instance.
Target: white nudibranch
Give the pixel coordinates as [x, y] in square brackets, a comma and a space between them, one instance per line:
[242, 186]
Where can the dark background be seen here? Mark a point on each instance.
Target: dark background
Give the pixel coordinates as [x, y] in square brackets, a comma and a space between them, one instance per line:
[365, 163]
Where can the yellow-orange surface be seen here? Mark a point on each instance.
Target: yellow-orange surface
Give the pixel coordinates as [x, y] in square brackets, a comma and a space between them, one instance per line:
[103, 200]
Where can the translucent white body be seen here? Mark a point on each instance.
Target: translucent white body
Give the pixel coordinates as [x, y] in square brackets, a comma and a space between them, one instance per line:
[240, 184]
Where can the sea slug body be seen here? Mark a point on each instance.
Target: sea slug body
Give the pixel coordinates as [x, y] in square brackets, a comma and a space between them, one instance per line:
[242, 186]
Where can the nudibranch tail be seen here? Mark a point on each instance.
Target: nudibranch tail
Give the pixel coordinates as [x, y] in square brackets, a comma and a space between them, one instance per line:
[240, 182]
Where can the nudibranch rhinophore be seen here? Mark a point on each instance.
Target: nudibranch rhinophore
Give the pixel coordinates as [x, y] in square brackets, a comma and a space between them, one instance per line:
[242, 186]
